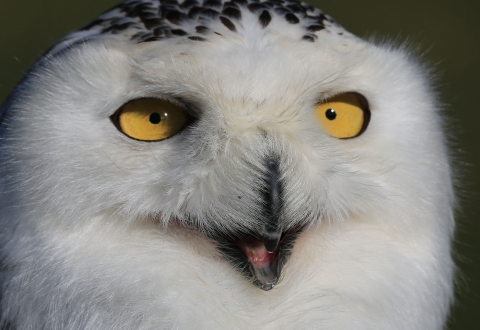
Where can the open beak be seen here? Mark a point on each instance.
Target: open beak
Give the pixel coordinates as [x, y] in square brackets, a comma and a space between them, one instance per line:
[261, 255]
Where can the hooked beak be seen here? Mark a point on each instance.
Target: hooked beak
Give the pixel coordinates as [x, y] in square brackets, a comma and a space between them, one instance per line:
[261, 255]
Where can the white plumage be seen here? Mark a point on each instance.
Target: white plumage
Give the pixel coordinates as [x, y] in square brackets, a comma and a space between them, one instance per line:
[103, 231]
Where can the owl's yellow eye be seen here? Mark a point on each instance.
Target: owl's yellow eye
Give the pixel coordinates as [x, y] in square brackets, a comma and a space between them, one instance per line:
[150, 119]
[344, 116]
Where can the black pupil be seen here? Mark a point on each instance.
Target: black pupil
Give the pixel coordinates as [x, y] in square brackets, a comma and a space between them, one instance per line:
[155, 118]
[330, 114]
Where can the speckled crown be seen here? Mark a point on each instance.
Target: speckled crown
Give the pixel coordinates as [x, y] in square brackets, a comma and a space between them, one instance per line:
[152, 20]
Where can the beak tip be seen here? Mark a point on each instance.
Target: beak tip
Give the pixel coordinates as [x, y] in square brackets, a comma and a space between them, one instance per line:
[271, 242]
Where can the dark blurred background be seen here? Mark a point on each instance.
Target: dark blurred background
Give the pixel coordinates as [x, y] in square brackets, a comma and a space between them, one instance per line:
[446, 32]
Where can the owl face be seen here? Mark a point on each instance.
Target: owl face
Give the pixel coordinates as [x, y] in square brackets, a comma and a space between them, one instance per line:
[251, 164]
[250, 123]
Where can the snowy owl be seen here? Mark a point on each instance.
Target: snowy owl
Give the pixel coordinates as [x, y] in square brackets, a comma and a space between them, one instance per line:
[243, 164]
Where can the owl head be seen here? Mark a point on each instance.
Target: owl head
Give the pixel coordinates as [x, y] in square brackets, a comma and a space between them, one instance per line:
[251, 123]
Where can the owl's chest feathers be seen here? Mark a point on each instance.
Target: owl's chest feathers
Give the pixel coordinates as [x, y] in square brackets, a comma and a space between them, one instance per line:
[344, 276]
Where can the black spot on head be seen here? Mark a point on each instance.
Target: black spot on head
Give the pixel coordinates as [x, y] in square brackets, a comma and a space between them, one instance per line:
[176, 17]
[311, 18]
[315, 28]
[201, 29]
[230, 4]
[194, 12]
[253, 7]
[189, 3]
[291, 18]
[321, 17]
[197, 38]
[296, 8]
[150, 21]
[136, 9]
[115, 29]
[268, 4]
[265, 18]
[159, 32]
[308, 38]
[170, 2]
[228, 23]
[164, 9]
[178, 32]
[210, 13]
[149, 39]
[232, 12]
[137, 35]
[212, 4]
[144, 35]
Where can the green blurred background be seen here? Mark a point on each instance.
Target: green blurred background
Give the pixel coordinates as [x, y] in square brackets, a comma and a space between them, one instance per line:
[446, 32]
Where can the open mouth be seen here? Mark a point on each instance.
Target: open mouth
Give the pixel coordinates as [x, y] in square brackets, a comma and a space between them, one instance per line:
[261, 253]
[262, 265]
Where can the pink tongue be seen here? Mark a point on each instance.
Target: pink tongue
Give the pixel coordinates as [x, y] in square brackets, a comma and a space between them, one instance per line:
[264, 264]
[256, 252]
